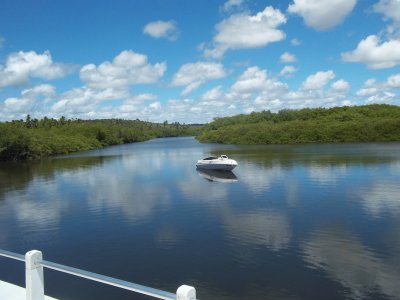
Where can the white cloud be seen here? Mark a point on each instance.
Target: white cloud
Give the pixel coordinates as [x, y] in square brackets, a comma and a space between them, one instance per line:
[287, 71]
[33, 100]
[162, 29]
[241, 31]
[340, 86]
[394, 81]
[255, 87]
[323, 14]
[134, 105]
[15, 105]
[376, 92]
[192, 75]
[295, 42]
[231, 4]
[374, 54]
[213, 94]
[141, 98]
[287, 58]
[382, 97]
[155, 106]
[389, 8]
[127, 68]
[81, 101]
[252, 80]
[318, 80]
[20, 66]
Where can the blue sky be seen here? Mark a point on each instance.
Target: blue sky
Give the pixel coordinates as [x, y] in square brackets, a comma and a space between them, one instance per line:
[191, 61]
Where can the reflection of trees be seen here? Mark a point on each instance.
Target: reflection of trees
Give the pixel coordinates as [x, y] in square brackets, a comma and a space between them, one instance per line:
[288, 156]
[344, 257]
[18, 175]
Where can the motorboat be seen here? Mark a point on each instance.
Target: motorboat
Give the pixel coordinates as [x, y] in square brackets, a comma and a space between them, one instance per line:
[222, 162]
[218, 175]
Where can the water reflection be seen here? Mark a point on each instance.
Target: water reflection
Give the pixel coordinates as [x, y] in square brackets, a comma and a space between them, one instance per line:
[268, 228]
[259, 179]
[344, 257]
[218, 176]
[381, 198]
[147, 201]
[327, 175]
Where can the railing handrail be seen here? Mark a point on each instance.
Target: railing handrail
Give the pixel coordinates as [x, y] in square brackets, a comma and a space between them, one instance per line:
[110, 280]
[160, 294]
[12, 255]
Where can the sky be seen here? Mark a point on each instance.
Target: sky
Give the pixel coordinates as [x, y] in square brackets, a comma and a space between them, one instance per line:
[192, 61]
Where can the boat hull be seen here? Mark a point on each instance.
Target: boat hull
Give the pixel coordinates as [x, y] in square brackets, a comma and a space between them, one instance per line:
[216, 166]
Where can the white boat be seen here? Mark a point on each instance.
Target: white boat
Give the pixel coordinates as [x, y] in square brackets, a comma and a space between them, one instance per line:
[217, 163]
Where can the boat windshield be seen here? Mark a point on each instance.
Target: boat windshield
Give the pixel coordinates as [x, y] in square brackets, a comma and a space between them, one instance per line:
[210, 158]
[224, 156]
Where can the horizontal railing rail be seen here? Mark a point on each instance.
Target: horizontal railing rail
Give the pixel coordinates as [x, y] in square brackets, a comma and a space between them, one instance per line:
[110, 281]
[12, 255]
[35, 283]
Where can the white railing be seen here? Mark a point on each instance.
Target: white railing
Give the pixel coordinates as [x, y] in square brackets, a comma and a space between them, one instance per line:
[34, 264]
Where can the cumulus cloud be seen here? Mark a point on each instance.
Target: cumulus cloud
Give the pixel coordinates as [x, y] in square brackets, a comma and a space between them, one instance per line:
[318, 80]
[254, 89]
[340, 86]
[255, 80]
[287, 58]
[394, 81]
[378, 92]
[374, 53]
[241, 31]
[162, 29]
[20, 66]
[287, 71]
[390, 9]
[252, 80]
[83, 101]
[31, 100]
[192, 75]
[127, 68]
[212, 95]
[231, 4]
[295, 42]
[323, 14]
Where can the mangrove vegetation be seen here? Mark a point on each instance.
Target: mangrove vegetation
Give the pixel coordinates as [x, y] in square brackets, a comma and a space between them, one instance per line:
[35, 139]
[369, 123]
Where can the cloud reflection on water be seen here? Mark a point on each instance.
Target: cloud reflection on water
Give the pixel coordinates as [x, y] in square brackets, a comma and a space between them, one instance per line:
[381, 198]
[345, 259]
[267, 228]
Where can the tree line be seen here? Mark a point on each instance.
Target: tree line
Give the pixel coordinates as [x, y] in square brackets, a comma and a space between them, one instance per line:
[38, 138]
[368, 123]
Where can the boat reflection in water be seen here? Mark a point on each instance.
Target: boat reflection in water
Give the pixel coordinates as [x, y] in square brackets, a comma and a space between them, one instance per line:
[218, 175]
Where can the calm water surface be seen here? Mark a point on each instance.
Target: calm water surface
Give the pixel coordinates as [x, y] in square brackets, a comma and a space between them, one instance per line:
[291, 222]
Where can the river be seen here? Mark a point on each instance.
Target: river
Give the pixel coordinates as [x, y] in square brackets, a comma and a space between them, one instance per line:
[291, 222]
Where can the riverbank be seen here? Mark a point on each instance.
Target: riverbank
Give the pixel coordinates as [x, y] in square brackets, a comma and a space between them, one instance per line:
[369, 123]
[35, 139]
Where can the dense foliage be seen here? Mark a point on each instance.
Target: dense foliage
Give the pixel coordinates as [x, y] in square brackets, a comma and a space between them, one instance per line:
[367, 123]
[32, 138]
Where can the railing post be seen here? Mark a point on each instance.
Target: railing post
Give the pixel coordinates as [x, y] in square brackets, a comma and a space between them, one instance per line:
[186, 292]
[34, 275]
